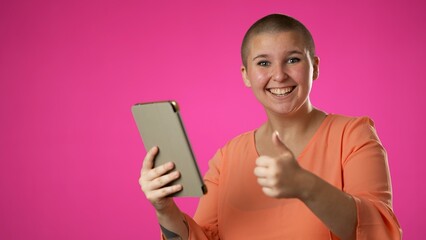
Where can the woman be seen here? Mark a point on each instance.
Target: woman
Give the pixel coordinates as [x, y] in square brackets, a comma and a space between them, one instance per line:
[303, 174]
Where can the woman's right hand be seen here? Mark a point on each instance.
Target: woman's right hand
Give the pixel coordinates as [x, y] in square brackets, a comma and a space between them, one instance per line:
[153, 181]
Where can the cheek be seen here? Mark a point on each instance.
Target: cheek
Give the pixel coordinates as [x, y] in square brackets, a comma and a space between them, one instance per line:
[259, 78]
[302, 75]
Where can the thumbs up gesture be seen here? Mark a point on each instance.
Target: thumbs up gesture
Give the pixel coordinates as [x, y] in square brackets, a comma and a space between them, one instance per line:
[280, 176]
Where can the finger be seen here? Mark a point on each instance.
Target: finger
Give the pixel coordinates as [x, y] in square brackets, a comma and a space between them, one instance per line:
[148, 162]
[158, 171]
[269, 192]
[163, 180]
[261, 171]
[268, 182]
[164, 192]
[263, 161]
[276, 140]
[263, 182]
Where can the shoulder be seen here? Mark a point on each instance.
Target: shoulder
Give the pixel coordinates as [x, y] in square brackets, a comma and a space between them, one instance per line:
[349, 125]
[343, 120]
[244, 140]
[357, 136]
[351, 132]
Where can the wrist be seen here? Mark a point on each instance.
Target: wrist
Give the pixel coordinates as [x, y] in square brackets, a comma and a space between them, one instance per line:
[308, 182]
[167, 210]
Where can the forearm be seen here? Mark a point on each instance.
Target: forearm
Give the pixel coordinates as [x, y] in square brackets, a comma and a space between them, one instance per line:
[172, 222]
[335, 208]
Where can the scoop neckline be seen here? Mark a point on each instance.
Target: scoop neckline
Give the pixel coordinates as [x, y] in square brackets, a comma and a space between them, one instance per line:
[311, 141]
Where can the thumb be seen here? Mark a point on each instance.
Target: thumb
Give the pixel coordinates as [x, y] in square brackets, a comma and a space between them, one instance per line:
[276, 140]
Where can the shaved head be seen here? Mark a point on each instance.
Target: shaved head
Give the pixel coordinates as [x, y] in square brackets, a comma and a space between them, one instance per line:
[272, 24]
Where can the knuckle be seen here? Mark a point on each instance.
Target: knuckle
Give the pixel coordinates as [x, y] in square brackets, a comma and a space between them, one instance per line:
[149, 197]
[160, 181]
[145, 187]
[152, 200]
[165, 191]
[157, 171]
[143, 176]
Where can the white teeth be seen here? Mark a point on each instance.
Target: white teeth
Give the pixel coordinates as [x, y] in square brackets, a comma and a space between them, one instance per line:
[281, 91]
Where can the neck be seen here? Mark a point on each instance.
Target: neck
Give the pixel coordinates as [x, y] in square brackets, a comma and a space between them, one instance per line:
[293, 124]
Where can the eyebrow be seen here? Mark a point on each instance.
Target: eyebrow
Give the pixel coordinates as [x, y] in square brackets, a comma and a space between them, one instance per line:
[266, 55]
[260, 56]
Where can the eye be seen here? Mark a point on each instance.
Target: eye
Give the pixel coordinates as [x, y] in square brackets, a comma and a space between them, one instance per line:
[293, 60]
[263, 63]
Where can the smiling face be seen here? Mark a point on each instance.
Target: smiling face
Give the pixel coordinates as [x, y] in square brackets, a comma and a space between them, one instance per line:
[280, 71]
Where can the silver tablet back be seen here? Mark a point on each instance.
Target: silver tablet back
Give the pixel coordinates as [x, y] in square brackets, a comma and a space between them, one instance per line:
[159, 124]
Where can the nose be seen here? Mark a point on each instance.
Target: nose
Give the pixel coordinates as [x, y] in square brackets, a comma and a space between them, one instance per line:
[279, 73]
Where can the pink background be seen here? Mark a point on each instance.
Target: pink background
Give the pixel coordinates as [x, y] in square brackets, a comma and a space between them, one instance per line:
[70, 70]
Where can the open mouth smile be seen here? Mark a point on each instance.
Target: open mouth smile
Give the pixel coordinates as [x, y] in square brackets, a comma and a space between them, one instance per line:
[281, 91]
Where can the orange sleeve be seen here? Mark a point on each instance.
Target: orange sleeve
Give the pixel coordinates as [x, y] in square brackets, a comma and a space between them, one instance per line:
[366, 178]
[206, 215]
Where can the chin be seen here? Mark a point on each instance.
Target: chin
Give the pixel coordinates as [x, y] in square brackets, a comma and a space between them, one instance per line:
[280, 111]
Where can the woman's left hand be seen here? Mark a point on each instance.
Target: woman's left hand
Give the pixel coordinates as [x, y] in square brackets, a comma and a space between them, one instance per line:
[280, 176]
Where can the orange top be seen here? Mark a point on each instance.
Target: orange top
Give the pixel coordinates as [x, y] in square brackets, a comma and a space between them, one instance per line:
[344, 151]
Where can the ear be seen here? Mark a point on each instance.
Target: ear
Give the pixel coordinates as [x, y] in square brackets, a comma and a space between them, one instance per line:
[244, 75]
[316, 67]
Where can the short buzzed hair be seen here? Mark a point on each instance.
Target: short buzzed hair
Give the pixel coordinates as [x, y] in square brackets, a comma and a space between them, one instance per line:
[276, 23]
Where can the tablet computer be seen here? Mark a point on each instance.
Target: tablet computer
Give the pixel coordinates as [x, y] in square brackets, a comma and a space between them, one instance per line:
[160, 124]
